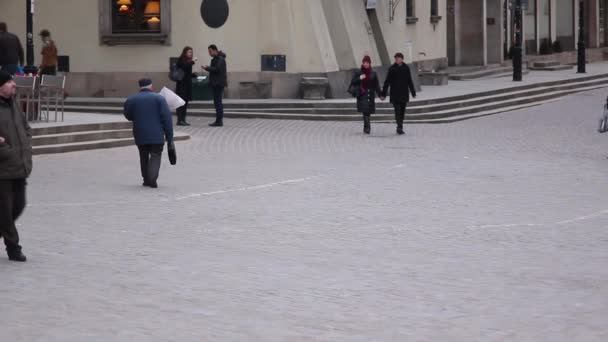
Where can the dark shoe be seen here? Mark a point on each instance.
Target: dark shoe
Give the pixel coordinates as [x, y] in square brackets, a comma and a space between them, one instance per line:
[216, 124]
[181, 123]
[153, 185]
[367, 130]
[186, 123]
[400, 131]
[17, 256]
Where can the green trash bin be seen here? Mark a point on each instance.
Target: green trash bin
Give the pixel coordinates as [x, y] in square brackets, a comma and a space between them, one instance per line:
[201, 91]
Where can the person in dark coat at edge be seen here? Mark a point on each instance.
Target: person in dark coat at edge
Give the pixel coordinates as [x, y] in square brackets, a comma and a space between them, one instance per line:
[366, 85]
[11, 51]
[152, 125]
[399, 80]
[218, 79]
[15, 165]
[184, 87]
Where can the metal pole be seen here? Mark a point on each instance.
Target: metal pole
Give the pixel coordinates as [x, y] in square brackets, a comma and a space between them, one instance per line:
[30, 68]
[581, 60]
[517, 49]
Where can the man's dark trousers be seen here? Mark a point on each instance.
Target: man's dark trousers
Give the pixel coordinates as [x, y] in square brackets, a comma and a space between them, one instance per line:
[218, 94]
[400, 113]
[150, 158]
[12, 204]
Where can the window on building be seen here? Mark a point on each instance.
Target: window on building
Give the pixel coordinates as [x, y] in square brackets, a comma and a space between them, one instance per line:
[136, 16]
[410, 8]
[135, 21]
[434, 8]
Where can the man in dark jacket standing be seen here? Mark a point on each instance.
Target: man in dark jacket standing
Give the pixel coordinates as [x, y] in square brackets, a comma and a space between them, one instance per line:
[15, 165]
[218, 79]
[152, 125]
[399, 80]
[11, 51]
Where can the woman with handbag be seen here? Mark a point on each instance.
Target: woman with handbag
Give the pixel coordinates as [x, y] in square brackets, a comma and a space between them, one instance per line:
[365, 86]
[184, 86]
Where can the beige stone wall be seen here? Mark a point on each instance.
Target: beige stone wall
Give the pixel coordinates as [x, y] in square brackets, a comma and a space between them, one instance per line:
[316, 35]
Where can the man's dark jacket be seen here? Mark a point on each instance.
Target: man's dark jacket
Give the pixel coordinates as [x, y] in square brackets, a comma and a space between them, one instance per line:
[152, 122]
[218, 71]
[16, 150]
[11, 50]
[399, 79]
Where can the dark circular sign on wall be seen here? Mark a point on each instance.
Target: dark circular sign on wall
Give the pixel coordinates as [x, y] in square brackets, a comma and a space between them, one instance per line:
[215, 12]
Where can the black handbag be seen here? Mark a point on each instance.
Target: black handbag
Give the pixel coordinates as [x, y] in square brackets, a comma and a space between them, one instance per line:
[171, 153]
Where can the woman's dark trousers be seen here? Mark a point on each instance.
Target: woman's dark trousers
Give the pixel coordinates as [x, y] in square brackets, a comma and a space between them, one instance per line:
[182, 112]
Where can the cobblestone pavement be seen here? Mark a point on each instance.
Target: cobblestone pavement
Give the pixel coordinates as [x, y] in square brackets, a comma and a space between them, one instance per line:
[493, 229]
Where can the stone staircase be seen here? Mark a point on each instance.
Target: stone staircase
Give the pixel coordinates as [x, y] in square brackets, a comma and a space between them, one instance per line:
[439, 110]
[474, 73]
[549, 66]
[82, 137]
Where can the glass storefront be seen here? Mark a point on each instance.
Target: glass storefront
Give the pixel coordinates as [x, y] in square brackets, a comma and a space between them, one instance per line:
[530, 28]
[564, 22]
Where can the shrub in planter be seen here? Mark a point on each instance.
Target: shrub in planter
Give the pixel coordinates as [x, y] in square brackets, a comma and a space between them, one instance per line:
[545, 47]
[557, 47]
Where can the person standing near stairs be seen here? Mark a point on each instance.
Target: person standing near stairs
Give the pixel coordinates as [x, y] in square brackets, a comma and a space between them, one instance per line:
[152, 125]
[399, 80]
[15, 165]
[218, 79]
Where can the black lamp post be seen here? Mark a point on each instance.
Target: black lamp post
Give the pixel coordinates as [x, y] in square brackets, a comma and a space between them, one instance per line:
[517, 49]
[30, 68]
[581, 60]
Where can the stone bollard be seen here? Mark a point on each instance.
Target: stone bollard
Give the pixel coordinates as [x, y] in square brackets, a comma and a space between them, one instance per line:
[314, 88]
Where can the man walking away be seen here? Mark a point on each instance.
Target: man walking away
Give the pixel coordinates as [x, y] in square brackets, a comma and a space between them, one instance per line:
[11, 51]
[152, 125]
[218, 80]
[15, 165]
[399, 80]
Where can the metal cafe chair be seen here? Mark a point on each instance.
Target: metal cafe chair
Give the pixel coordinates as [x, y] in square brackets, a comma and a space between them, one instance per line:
[51, 96]
[26, 94]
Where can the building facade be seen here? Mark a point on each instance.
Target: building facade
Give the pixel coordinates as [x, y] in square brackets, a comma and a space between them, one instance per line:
[111, 43]
[481, 32]
[274, 43]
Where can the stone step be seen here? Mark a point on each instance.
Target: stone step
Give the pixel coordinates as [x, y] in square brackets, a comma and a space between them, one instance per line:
[450, 108]
[438, 116]
[64, 129]
[115, 104]
[480, 74]
[68, 138]
[92, 145]
[545, 64]
[553, 68]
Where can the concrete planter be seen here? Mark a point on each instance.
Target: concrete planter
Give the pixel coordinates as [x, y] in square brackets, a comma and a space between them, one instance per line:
[314, 88]
[428, 78]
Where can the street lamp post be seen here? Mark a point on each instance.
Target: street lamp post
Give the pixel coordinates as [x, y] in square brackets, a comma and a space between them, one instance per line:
[517, 49]
[30, 68]
[581, 60]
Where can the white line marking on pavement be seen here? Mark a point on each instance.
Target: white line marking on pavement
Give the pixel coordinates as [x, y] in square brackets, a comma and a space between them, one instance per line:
[559, 223]
[182, 198]
[248, 188]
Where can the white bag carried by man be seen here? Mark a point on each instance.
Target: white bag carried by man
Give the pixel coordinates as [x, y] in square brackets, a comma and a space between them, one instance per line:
[173, 100]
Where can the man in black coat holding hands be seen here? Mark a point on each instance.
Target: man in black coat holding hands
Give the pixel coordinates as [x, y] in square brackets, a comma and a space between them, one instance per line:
[399, 80]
